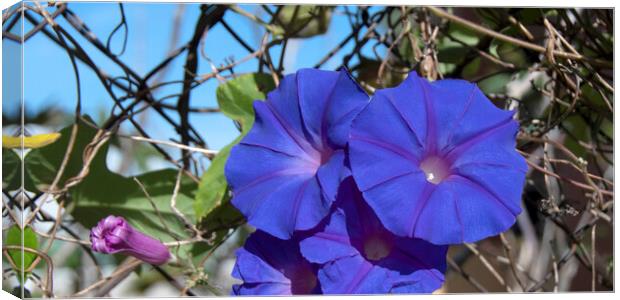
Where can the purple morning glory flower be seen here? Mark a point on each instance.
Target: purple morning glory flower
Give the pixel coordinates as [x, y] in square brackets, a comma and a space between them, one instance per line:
[285, 173]
[359, 256]
[115, 235]
[271, 266]
[437, 161]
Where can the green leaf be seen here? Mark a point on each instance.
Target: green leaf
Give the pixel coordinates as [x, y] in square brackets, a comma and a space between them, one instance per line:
[472, 69]
[103, 192]
[213, 188]
[534, 16]
[508, 52]
[445, 68]
[491, 16]
[302, 20]
[580, 131]
[512, 54]
[463, 34]
[530, 16]
[405, 48]
[42, 164]
[594, 97]
[235, 98]
[607, 128]
[14, 237]
[368, 70]
[11, 170]
[453, 52]
[495, 84]
[212, 205]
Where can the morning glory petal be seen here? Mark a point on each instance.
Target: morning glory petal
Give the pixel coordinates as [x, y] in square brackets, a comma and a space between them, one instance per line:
[331, 173]
[271, 266]
[464, 202]
[388, 201]
[303, 209]
[353, 275]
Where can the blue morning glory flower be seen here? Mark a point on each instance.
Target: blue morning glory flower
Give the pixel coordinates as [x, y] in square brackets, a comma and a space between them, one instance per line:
[359, 256]
[285, 173]
[271, 266]
[437, 161]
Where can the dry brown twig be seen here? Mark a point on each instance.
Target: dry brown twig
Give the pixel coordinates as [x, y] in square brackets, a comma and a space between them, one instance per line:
[557, 57]
[443, 14]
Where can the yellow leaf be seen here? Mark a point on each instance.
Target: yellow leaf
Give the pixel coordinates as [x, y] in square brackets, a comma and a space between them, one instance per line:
[35, 141]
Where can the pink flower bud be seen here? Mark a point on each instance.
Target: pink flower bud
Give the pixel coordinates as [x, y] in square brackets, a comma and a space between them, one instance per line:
[114, 235]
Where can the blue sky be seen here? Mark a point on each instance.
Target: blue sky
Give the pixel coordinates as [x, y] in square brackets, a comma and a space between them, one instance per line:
[49, 80]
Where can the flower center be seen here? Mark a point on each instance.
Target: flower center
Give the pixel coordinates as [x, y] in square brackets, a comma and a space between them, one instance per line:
[319, 158]
[304, 281]
[326, 155]
[435, 168]
[376, 247]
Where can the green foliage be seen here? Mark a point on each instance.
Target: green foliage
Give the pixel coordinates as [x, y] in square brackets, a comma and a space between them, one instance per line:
[463, 34]
[405, 48]
[106, 193]
[453, 47]
[580, 131]
[607, 128]
[368, 70]
[42, 164]
[471, 70]
[143, 155]
[213, 188]
[235, 98]
[512, 54]
[14, 237]
[102, 192]
[495, 84]
[594, 97]
[302, 21]
[509, 52]
[529, 16]
[491, 17]
[11, 169]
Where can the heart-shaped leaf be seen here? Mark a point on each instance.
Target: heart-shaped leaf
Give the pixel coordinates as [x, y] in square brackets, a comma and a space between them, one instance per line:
[235, 98]
[14, 238]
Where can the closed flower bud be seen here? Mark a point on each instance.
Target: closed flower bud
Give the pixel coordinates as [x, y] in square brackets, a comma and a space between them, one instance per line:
[114, 235]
